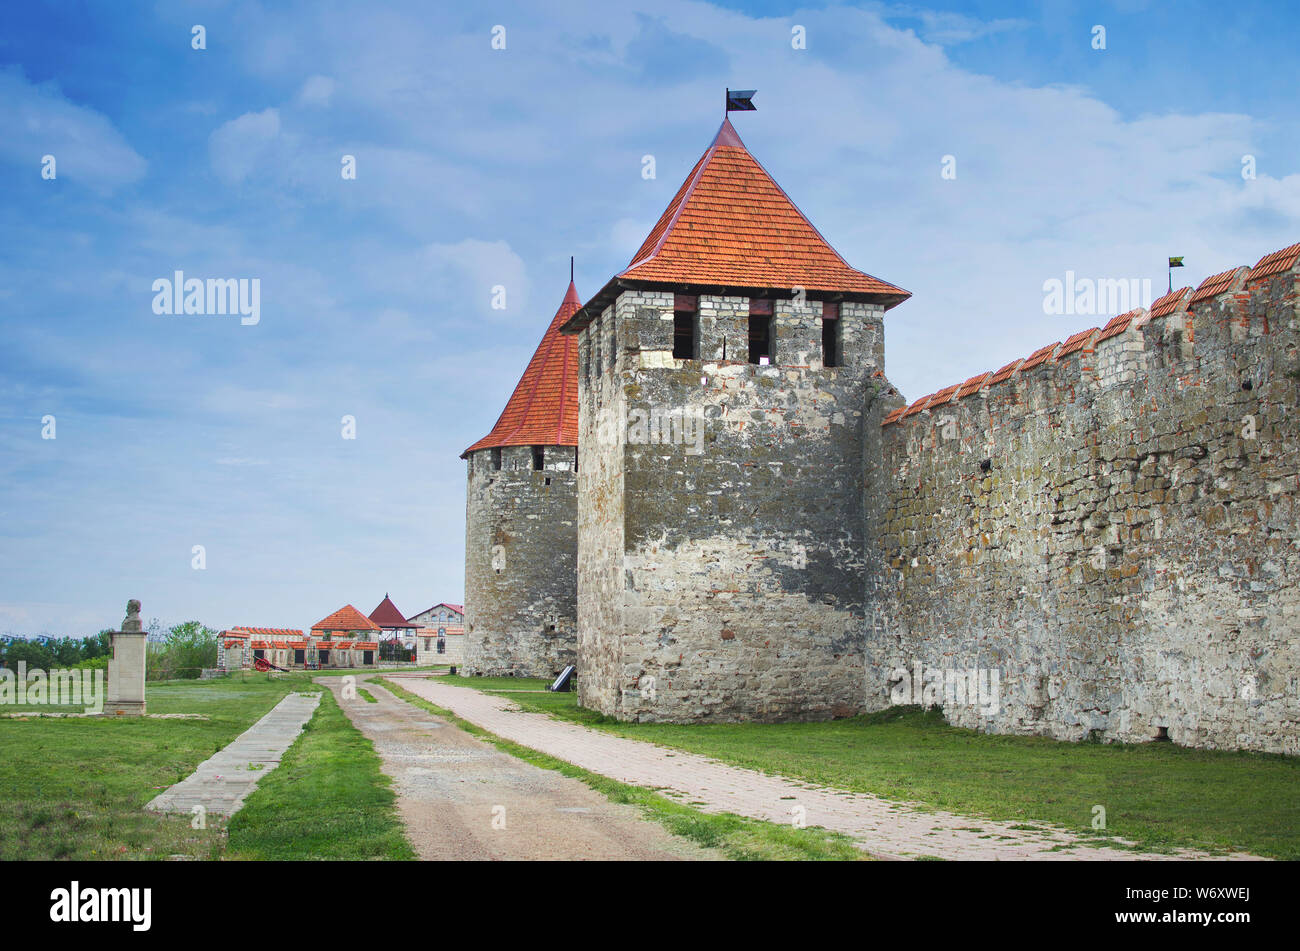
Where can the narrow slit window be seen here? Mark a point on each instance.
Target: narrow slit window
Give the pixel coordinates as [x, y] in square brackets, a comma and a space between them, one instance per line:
[830, 342]
[760, 339]
[496, 458]
[539, 458]
[686, 335]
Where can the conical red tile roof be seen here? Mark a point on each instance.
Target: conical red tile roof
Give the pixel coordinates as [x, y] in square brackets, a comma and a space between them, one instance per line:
[731, 225]
[387, 615]
[543, 410]
[346, 618]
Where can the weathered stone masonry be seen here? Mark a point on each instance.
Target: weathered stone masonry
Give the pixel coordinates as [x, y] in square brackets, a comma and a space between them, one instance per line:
[721, 566]
[1109, 525]
[521, 511]
[521, 562]
[1114, 529]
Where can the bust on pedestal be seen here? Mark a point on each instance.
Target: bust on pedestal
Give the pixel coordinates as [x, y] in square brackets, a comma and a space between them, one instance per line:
[126, 667]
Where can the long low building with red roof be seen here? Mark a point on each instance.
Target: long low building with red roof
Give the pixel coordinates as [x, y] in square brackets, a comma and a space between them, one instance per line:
[347, 638]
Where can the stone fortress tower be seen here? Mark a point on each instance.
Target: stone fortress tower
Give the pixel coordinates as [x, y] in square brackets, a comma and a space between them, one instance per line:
[726, 377]
[1104, 533]
[521, 534]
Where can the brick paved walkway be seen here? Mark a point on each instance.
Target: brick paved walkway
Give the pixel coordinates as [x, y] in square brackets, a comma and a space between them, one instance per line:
[883, 828]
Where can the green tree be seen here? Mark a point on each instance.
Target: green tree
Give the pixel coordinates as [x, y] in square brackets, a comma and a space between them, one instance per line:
[185, 650]
[35, 654]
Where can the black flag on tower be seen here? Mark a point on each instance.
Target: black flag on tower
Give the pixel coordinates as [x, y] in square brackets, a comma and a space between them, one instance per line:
[740, 100]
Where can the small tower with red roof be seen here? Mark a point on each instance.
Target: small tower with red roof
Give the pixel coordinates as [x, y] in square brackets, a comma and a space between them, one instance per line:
[521, 529]
[393, 624]
[730, 394]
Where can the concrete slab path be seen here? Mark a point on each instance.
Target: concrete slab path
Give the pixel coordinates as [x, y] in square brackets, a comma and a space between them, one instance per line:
[882, 827]
[224, 780]
[462, 798]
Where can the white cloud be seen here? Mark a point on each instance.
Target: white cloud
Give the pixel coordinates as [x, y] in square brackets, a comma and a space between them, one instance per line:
[469, 271]
[39, 120]
[949, 29]
[316, 91]
[241, 145]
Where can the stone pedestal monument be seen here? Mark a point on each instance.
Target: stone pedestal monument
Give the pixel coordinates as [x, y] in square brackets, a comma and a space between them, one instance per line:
[126, 667]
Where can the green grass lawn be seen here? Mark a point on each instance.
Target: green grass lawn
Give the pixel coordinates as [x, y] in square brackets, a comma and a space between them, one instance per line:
[328, 799]
[1158, 795]
[734, 837]
[76, 788]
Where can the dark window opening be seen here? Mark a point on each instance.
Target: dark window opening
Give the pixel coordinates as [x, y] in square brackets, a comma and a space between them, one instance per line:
[367, 657]
[538, 458]
[830, 343]
[686, 335]
[548, 480]
[496, 458]
[760, 339]
[257, 654]
[1162, 734]
[575, 461]
[299, 656]
[324, 657]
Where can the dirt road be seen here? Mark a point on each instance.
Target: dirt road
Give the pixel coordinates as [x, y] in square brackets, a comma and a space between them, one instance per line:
[462, 798]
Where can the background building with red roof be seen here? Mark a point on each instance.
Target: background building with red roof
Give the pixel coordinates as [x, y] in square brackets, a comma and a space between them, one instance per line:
[521, 517]
[441, 613]
[344, 639]
[394, 627]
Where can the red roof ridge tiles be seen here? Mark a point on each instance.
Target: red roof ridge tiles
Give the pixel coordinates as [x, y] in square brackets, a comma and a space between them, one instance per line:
[1006, 372]
[1216, 284]
[543, 409]
[1275, 263]
[241, 631]
[1039, 356]
[1172, 302]
[1117, 325]
[917, 406]
[1074, 343]
[972, 386]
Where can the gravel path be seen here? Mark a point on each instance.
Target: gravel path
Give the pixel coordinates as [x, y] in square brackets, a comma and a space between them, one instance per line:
[882, 827]
[462, 798]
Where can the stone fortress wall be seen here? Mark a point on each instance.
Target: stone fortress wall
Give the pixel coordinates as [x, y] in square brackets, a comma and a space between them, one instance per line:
[1110, 525]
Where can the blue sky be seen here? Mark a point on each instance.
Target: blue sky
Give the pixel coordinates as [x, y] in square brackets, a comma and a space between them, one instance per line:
[479, 167]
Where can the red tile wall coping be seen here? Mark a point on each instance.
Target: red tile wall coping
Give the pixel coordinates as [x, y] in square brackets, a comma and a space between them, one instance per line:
[1231, 283]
